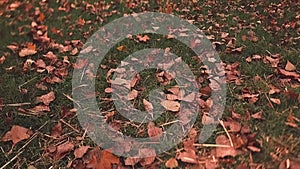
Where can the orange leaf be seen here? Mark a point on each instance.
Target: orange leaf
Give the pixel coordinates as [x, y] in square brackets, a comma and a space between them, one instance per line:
[132, 94]
[47, 98]
[276, 101]
[148, 106]
[153, 130]
[289, 66]
[62, 150]
[16, 134]
[80, 151]
[171, 105]
[171, 163]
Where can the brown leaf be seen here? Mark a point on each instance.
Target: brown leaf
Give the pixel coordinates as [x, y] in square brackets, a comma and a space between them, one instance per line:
[132, 161]
[80, 63]
[287, 73]
[56, 130]
[80, 151]
[276, 101]
[16, 134]
[132, 94]
[257, 115]
[47, 98]
[224, 151]
[289, 66]
[39, 108]
[148, 106]
[274, 62]
[2, 59]
[62, 150]
[171, 105]
[27, 52]
[144, 38]
[233, 125]
[290, 164]
[171, 163]
[101, 159]
[188, 157]
[148, 155]
[154, 131]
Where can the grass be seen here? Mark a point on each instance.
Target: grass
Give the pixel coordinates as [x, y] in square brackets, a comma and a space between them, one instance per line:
[276, 137]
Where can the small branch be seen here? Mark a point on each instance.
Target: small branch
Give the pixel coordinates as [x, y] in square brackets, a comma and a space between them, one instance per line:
[69, 125]
[211, 145]
[15, 104]
[228, 135]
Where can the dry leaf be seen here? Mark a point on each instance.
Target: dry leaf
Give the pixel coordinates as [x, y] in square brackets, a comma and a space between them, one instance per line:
[56, 130]
[16, 134]
[80, 151]
[289, 66]
[276, 101]
[39, 108]
[81, 63]
[171, 105]
[154, 131]
[224, 151]
[132, 161]
[144, 38]
[148, 106]
[188, 157]
[27, 52]
[148, 155]
[47, 98]
[132, 94]
[171, 163]
[2, 59]
[62, 150]
[287, 73]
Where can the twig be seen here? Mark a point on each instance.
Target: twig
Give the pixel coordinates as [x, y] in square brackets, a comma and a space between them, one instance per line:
[228, 135]
[211, 145]
[70, 98]
[11, 160]
[69, 125]
[15, 104]
[20, 151]
[269, 101]
[27, 82]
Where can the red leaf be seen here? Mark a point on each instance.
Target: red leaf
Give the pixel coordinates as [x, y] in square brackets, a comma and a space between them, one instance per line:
[16, 134]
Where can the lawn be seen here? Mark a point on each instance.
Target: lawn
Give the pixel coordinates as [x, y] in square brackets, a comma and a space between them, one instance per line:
[44, 43]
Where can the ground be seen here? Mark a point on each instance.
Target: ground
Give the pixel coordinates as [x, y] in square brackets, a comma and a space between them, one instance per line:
[257, 41]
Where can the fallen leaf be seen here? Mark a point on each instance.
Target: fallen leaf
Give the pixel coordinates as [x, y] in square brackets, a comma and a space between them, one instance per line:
[148, 106]
[2, 59]
[62, 150]
[289, 66]
[47, 98]
[154, 131]
[290, 164]
[27, 52]
[257, 115]
[171, 105]
[16, 134]
[171, 163]
[132, 94]
[80, 151]
[287, 73]
[224, 151]
[39, 108]
[56, 130]
[81, 63]
[276, 101]
[132, 161]
[188, 157]
[144, 38]
[148, 156]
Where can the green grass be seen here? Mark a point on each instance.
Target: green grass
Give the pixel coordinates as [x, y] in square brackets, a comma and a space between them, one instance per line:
[272, 131]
